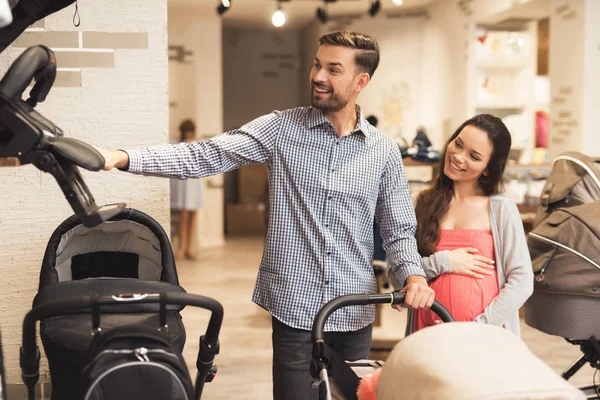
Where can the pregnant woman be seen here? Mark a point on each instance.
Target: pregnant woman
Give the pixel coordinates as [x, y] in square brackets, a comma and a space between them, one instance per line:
[472, 240]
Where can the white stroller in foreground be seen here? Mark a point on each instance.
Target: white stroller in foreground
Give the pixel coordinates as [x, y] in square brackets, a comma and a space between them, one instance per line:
[453, 361]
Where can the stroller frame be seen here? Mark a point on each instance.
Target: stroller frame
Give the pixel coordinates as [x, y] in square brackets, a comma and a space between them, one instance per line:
[591, 354]
[327, 363]
[209, 343]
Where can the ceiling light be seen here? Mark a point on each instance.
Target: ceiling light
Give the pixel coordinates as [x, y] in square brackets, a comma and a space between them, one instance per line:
[375, 7]
[322, 15]
[398, 2]
[223, 6]
[278, 18]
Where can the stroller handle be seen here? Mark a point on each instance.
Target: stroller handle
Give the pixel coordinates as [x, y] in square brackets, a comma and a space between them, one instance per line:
[36, 62]
[30, 355]
[364, 299]
[28, 136]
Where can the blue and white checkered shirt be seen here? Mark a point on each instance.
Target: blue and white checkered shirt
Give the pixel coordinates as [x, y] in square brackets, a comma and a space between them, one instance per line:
[325, 192]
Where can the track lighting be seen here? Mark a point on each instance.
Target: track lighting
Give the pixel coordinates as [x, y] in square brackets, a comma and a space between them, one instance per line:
[322, 15]
[223, 6]
[375, 7]
[322, 11]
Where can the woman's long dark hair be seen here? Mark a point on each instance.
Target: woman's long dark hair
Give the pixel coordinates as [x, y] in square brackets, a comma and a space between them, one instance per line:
[433, 203]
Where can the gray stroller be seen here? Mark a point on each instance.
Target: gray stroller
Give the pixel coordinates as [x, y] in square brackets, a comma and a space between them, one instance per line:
[565, 252]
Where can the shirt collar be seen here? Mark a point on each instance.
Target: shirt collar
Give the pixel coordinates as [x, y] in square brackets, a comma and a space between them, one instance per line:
[316, 117]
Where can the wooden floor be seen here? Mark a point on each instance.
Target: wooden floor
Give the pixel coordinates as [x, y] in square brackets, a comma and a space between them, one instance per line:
[244, 364]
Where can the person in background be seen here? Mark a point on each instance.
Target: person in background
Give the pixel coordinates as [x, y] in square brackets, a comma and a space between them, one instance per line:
[187, 199]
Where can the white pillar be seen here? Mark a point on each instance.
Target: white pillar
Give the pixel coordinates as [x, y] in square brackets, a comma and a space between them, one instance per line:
[574, 77]
[201, 33]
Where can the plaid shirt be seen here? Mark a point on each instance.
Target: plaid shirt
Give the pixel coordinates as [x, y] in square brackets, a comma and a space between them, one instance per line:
[325, 192]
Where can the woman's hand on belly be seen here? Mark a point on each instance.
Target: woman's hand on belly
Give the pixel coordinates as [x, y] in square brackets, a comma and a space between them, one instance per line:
[466, 261]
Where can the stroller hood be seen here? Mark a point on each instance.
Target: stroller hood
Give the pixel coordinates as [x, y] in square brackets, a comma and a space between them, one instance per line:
[130, 245]
[575, 179]
[469, 361]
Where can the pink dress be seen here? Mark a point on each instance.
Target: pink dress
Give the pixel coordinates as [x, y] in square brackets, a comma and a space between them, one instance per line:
[464, 296]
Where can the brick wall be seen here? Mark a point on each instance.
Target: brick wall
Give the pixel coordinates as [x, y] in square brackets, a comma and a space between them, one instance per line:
[111, 91]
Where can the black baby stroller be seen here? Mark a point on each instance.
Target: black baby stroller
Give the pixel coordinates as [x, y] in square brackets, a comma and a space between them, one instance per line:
[565, 252]
[337, 378]
[130, 253]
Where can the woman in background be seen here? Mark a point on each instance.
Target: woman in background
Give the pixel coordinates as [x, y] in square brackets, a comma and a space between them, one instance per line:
[186, 197]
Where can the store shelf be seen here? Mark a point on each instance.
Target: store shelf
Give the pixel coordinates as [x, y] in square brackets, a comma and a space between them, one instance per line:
[502, 78]
[503, 64]
[500, 106]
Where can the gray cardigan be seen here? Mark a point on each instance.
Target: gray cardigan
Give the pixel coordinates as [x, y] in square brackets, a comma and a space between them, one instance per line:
[513, 263]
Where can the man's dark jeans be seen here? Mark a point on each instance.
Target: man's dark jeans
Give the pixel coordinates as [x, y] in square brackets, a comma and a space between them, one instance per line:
[292, 354]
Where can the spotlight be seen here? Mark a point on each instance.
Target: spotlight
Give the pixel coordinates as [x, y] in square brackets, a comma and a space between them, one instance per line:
[322, 15]
[375, 7]
[223, 7]
[278, 18]
[398, 2]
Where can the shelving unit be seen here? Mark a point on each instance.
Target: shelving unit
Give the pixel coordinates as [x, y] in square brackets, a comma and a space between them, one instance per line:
[501, 67]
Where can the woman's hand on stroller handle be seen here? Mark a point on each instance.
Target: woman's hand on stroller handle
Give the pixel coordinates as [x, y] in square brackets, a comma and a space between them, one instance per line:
[418, 293]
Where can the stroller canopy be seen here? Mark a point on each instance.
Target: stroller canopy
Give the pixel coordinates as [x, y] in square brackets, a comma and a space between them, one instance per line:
[468, 361]
[130, 245]
[574, 180]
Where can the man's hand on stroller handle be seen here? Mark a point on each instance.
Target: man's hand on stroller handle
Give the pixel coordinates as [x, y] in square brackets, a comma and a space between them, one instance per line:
[114, 159]
[418, 293]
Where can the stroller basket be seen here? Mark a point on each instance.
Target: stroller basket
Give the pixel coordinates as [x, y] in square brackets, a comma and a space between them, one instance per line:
[209, 344]
[328, 364]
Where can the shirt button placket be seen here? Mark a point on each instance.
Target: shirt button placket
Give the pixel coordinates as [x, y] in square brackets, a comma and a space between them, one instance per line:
[329, 214]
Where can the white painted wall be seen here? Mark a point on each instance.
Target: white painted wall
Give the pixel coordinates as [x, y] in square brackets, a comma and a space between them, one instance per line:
[591, 98]
[121, 107]
[567, 40]
[574, 85]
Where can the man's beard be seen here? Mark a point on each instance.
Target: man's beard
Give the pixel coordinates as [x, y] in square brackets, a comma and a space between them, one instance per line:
[333, 104]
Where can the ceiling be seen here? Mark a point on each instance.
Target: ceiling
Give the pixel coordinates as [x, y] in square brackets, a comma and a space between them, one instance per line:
[299, 13]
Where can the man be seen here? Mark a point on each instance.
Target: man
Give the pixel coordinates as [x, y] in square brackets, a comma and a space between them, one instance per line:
[330, 174]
